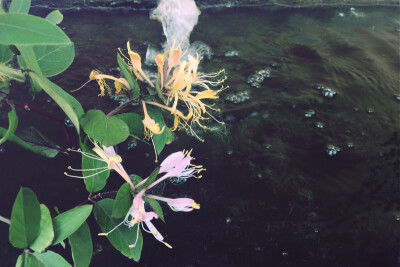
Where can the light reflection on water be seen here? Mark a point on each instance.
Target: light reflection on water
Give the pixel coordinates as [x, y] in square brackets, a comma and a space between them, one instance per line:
[288, 201]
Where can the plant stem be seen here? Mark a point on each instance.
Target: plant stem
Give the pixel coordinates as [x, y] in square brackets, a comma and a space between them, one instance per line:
[29, 107]
[118, 109]
[4, 220]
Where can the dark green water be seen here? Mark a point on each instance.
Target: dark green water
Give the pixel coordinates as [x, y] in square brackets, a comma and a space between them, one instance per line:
[288, 201]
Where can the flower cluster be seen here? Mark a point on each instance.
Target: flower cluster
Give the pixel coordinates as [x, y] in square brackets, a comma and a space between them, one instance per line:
[182, 88]
[177, 164]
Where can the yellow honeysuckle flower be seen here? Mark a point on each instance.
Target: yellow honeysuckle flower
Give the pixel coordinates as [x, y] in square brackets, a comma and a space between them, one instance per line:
[160, 60]
[136, 62]
[119, 83]
[150, 126]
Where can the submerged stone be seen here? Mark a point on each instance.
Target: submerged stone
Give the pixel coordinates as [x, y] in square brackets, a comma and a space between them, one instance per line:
[309, 113]
[328, 93]
[319, 125]
[232, 53]
[238, 98]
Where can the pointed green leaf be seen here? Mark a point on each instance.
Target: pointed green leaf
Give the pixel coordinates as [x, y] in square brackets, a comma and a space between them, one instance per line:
[151, 179]
[108, 131]
[5, 54]
[32, 140]
[68, 222]
[23, 29]
[122, 236]
[46, 233]
[156, 207]
[159, 139]
[54, 59]
[129, 77]
[12, 125]
[19, 6]
[66, 102]
[55, 17]
[134, 122]
[28, 260]
[25, 219]
[50, 259]
[94, 182]
[123, 201]
[81, 246]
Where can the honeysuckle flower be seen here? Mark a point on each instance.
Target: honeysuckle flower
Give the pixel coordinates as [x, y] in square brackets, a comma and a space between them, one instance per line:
[150, 127]
[138, 215]
[136, 62]
[107, 155]
[119, 83]
[160, 59]
[177, 164]
[178, 204]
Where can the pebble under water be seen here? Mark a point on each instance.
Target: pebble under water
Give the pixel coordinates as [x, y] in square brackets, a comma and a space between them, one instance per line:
[305, 171]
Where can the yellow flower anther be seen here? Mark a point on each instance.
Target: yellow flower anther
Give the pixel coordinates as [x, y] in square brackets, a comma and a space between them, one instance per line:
[195, 205]
[102, 234]
[168, 245]
[132, 246]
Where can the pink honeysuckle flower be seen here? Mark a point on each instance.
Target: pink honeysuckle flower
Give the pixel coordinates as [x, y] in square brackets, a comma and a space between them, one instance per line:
[138, 215]
[107, 155]
[178, 204]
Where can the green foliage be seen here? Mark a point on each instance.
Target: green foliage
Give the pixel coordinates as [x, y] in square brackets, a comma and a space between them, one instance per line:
[55, 17]
[121, 237]
[107, 130]
[19, 6]
[23, 29]
[32, 140]
[134, 122]
[129, 77]
[46, 233]
[5, 54]
[47, 259]
[81, 246]
[68, 222]
[151, 179]
[159, 139]
[156, 207]
[25, 219]
[12, 125]
[94, 182]
[123, 201]
[12, 73]
[66, 102]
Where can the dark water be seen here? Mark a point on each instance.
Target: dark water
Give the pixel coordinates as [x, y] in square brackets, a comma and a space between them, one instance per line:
[271, 196]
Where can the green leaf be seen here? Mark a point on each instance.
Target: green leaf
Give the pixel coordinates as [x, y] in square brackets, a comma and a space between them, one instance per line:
[106, 130]
[50, 259]
[28, 260]
[32, 140]
[68, 222]
[46, 233]
[151, 179]
[54, 59]
[135, 179]
[67, 103]
[25, 219]
[122, 236]
[123, 201]
[81, 246]
[19, 6]
[134, 122]
[12, 125]
[129, 77]
[55, 17]
[159, 139]
[156, 207]
[23, 29]
[12, 73]
[5, 54]
[94, 183]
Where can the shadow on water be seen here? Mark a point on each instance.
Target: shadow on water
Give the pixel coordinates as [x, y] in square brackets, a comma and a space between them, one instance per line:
[272, 196]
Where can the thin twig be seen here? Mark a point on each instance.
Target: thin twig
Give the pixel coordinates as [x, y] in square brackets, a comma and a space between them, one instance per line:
[118, 109]
[5, 220]
[29, 107]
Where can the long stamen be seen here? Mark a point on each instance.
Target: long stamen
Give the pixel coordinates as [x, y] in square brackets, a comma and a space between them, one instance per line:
[72, 91]
[84, 177]
[79, 170]
[109, 232]
[137, 238]
[155, 151]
